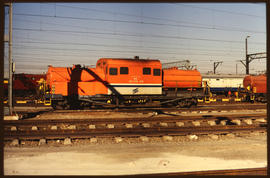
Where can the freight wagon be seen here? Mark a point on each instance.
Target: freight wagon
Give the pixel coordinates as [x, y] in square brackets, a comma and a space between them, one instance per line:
[223, 84]
[24, 85]
[255, 88]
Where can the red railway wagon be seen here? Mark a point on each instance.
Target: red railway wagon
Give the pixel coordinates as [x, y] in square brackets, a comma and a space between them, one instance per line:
[116, 81]
[256, 85]
[24, 85]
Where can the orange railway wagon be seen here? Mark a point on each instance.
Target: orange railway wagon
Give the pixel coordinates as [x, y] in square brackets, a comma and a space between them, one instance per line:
[183, 83]
[115, 81]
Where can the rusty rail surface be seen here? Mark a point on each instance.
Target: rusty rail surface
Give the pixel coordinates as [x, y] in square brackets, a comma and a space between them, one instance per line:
[129, 132]
[151, 119]
[150, 109]
[249, 171]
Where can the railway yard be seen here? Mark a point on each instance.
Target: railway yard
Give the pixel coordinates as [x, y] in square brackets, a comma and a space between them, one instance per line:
[209, 139]
[148, 89]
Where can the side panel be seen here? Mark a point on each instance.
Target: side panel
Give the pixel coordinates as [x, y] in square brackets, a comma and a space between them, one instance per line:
[137, 89]
[59, 88]
[224, 82]
[76, 81]
[175, 78]
[91, 88]
[135, 81]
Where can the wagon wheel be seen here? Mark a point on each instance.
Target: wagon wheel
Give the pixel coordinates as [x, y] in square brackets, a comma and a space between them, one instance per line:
[182, 104]
[57, 105]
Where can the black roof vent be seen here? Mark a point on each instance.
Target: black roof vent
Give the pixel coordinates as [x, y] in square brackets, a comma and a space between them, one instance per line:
[136, 57]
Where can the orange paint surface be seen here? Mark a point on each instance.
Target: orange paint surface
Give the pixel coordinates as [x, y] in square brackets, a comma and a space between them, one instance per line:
[181, 78]
[91, 88]
[135, 70]
[70, 81]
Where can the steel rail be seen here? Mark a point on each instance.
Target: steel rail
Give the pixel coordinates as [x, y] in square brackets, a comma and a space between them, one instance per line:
[248, 171]
[172, 109]
[118, 120]
[129, 132]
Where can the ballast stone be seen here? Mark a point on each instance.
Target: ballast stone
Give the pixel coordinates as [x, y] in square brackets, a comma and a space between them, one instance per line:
[146, 125]
[163, 124]
[72, 127]
[93, 140]
[196, 123]
[167, 138]
[180, 124]
[248, 121]
[42, 142]
[236, 121]
[118, 139]
[214, 137]
[54, 127]
[230, 135]
[14, 142]
[224, 122]
[193, 137]
[13, 128]
[212, 123]
[144, 139]
[34, 128]
[67, 141]
[128, 125]
[110, 126]
[92, 127]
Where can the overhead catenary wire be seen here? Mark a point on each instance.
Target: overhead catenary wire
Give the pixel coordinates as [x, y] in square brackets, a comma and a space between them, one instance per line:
[120, 35]
[137, 22]
[104, 37]
[218, 10]
[129, 40]
[133, 35]
[115, 51]
[125, 46]
[154, 18]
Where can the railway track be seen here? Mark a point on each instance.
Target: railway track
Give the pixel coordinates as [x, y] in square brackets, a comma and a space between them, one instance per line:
[134, 132]
[250, 171]
[132, 127]
[26, 112]
[172, 109]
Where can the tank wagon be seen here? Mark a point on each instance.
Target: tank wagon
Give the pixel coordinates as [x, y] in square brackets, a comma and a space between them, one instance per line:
[122, 81]
[255, 88]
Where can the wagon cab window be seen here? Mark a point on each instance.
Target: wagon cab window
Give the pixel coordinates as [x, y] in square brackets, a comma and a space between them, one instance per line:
[113, 71]
[146, 71]
[156, 72]
[123, 70]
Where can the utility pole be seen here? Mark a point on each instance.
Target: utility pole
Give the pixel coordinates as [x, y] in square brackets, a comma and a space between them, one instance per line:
[252, 57]
[10, 62]
[216, 65]
[247, 60]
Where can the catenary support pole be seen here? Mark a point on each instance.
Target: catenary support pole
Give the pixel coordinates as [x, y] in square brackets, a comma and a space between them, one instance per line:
[10, 62]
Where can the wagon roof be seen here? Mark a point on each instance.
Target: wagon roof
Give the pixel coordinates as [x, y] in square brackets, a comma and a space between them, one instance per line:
[130, 60]
[223, 75]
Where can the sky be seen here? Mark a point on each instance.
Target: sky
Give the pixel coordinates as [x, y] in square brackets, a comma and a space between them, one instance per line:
[63, 34]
